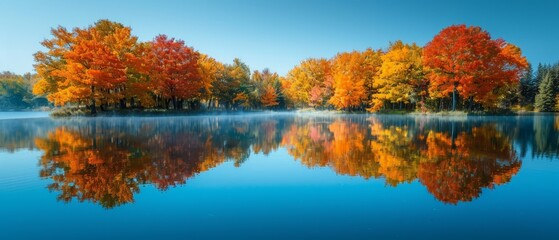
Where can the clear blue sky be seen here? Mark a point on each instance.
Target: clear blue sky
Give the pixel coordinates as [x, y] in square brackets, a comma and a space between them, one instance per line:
[279, 34]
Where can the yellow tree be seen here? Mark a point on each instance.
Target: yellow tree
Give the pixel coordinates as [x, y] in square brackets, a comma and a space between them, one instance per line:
[401, 78]
[309, 83]
[210, 70]
[49, 62]
[372, 60]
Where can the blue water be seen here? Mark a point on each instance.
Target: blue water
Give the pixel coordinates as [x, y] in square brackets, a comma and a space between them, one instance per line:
[280, 176]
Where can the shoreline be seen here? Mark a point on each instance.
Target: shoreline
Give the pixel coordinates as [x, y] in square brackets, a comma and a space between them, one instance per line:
[178, 113]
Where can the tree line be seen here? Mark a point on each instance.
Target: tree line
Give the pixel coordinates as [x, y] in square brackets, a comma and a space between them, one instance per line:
[104, 66]
[15, 92]
[461, 68]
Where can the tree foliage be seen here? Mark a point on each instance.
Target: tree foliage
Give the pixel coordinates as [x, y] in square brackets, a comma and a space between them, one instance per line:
[402, 78]
[310, 83]
[546, 99]
[174, 71]
[349, 73]
[465, 61]
[105, 66]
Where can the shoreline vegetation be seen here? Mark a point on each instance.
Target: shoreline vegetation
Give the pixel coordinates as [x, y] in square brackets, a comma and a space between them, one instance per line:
[62, 112]
[103, 70]
[68, 112]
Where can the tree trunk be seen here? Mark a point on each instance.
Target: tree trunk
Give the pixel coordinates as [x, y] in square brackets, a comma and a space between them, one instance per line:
[454, 98]
[174, 99]
[92, 101]
[123, 103]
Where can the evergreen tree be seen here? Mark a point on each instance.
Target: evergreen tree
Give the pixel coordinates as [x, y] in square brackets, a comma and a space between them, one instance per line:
[555, 77]
[545, 100]
[528, 88]
[540, 73]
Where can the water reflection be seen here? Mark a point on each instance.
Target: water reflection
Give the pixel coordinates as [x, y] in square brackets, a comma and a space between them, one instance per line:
[454, 165]
[457, 168]
[106, 160]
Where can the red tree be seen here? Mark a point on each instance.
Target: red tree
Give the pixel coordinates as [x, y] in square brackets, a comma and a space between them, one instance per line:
[174, 71]
[466, 61]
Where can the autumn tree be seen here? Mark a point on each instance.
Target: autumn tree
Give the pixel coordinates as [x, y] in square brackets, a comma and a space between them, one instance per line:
[210, 71]
[139, 88]
[48, 63]
[349, 81]
[85, 66]
[269, 98]
[232, 87]
[93, 70]
[266, 89]
[310, 83]
[174, 71]
[372, 63]
[465, 61]
[401, 79]
[134, 55]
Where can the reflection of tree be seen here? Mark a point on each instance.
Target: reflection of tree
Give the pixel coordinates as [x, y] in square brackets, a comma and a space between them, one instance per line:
[19, 133]
[457, 170]
[341, 145]
[538, 135]
[106, 162]
[452, 168]
[86, 168]
[395, 152]
[546, 137]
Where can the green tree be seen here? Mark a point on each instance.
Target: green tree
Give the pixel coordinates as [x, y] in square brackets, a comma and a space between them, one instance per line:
[545, 100]
[15, 92]
[528, 88]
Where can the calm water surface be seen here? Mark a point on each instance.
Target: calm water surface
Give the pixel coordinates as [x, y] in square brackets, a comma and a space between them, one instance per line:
[279, 176]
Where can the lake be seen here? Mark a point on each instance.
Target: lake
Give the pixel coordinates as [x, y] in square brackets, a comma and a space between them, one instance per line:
[279, 176]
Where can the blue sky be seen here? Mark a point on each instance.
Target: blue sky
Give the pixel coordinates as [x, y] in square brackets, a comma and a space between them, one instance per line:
[279, 34]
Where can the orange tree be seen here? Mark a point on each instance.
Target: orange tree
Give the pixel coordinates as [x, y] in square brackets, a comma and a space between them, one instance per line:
[86, 66]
